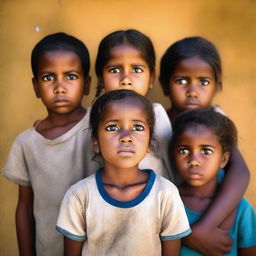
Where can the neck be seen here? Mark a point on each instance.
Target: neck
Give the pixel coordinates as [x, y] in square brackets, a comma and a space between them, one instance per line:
[55, 125]
[62, 119]
[198, 198]
[207, 190]
[122, 178]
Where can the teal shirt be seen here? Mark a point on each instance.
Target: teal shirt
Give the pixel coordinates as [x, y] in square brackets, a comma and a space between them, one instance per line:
[243, 231]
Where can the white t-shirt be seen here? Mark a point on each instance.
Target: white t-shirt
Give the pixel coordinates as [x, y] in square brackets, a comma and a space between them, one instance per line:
[50, 167]
[158, 158]
[111, 227]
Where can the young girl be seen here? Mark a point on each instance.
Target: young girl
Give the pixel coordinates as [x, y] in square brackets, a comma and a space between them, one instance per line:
[122, 210]
[190, 74]
[201, 144]
[126, 60]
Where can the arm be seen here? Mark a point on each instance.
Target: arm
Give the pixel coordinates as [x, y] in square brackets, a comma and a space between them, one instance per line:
[247, 251]
[207, 236]
[170, 247]
[25, 223]
[72, 247]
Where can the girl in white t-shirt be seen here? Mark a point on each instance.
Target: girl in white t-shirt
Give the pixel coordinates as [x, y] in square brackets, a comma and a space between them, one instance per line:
[122, 210]
[126, 60]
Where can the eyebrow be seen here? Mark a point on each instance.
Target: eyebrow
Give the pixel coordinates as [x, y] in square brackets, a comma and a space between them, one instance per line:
[117, 120]
[207, 145]
[66, 72]
[201, 145]
[120, 65]
[185, 76]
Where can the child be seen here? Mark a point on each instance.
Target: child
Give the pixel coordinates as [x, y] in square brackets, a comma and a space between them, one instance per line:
[122, 210]
[190, 74]
[48, 158]
[201, 144]
[126, 60]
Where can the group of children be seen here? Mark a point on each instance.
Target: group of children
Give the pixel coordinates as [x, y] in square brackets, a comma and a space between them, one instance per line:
[104, 175]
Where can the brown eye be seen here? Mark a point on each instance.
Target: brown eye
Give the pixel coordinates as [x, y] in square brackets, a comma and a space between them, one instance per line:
[181, 81]
[137, 70]
[72, 77]
[204, 82]
[114, 70]
[48, 78]
[112, 128]
[138, 127]
[183, 151]
[207, 151]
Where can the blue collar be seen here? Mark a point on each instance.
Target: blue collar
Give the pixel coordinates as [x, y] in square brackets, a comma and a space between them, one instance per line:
[125, 204]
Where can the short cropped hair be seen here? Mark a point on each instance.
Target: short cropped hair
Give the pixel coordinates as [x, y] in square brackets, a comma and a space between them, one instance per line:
[60, 42]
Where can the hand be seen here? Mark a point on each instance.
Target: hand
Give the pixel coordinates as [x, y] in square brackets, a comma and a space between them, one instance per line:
[208, 240]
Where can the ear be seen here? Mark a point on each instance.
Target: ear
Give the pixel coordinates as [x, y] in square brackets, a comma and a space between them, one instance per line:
[35, 86]
[152, 80]
[224, 159]
[87, 85]
[96, 146]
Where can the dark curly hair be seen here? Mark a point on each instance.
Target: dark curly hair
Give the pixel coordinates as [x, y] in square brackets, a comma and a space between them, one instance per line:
[219, 124]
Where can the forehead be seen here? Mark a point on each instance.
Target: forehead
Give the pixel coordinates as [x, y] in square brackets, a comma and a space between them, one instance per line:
[125, 109]
[198, 134]
[126, 51]
[59, 56]
[194, 65]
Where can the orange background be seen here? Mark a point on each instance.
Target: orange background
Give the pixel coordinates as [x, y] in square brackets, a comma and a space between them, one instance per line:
[230, 25]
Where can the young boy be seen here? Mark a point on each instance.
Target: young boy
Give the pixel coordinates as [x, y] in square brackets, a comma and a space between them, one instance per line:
[201, 144]
[48, 158]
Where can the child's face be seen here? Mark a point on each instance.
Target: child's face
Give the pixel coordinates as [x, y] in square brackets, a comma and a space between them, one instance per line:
[198, 155]
[126, 69]
[61, 83]
[123, 134]
[192, 85]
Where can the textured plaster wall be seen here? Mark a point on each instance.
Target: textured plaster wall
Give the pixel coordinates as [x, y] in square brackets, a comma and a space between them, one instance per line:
[228, 24]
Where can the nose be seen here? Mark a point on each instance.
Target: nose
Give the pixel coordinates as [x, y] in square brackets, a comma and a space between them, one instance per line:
[192, 91]
[125, 137]
[194, 161]
[60, 88]
[126, 81]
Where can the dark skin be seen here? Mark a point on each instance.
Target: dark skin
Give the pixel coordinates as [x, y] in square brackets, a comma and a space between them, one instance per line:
[127, 192]
[121, 177]
[210, 234]
[247, 251]
[60, 84]
[25, 223]
[72, 247]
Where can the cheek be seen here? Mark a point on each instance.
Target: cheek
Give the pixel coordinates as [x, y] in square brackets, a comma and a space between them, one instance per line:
[110, 85]
[176, 93]
[143, 141]
[210, 93]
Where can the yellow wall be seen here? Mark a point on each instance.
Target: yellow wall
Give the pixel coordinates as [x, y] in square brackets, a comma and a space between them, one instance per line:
[228, 24]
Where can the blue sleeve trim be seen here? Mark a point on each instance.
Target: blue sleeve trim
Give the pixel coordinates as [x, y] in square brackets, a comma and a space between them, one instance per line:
[177, 236]
[70, 235]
